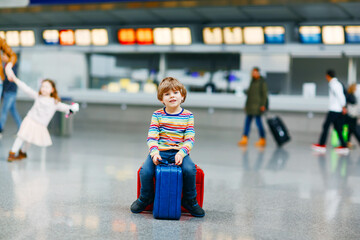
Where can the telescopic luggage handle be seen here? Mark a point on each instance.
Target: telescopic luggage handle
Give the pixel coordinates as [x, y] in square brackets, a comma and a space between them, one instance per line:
[165, 162]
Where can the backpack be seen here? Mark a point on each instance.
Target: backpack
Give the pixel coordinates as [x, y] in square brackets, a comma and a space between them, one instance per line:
[350, 98]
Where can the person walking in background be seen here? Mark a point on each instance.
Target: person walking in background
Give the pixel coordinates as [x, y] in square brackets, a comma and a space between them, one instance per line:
[335, 115]
[9, 100]
[352, 114]
[255, 106]
[12, 59]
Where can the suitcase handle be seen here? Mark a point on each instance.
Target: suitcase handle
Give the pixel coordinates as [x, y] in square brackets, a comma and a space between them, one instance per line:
[166, 163]
[163, 162]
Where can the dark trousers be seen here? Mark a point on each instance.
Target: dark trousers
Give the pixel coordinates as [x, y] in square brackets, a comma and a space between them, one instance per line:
[258, 123]
[352, 123]
[337, 119]
[147, 173]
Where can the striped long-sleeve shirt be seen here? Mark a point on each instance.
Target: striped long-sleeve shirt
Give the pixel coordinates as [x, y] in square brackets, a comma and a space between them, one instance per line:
[171, 131]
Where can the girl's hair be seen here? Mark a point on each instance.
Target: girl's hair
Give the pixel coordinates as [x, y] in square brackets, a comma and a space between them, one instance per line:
[352, 88]
[168, 84]
[54, 94]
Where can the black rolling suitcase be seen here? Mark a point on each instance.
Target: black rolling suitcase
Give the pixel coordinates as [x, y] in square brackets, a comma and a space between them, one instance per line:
[278, 130]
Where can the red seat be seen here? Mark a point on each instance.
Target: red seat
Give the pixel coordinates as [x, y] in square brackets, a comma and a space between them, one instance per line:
[199, 188]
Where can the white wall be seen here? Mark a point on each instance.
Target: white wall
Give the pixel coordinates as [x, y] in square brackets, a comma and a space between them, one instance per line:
[68, 69]
[266, 63]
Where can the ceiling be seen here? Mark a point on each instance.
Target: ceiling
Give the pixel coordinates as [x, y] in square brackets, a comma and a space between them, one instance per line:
[182, 12]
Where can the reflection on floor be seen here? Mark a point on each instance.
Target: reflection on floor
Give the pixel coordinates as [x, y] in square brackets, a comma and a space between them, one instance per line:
[82, 188]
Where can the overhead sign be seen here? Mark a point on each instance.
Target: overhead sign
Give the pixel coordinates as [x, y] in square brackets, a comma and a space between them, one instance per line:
[333, 35]
[79, 37]
[47, 2]
[67, 37]
[212, 35]
[352, 34]
[274, 34]
[157, 36]
[251, 35]
[24, 38]
[233, 35]
[310, 34]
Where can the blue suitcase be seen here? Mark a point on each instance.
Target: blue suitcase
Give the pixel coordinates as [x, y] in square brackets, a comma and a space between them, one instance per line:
[168, 190]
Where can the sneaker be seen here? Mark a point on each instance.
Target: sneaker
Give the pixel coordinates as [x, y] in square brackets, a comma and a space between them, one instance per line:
[140, 204]
[319, 148]
[342, 150]
[193, 207]
[13, 157]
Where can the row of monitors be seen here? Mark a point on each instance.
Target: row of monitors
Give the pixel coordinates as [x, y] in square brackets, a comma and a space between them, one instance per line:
[245, 35]
[99, 37]
[329, 34]
[81, 37]
[182, 36]
[148, 36]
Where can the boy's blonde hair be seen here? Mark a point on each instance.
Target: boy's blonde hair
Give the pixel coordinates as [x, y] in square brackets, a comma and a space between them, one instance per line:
[168, 84]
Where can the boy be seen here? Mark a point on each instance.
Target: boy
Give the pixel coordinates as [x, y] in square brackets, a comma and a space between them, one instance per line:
[171, 137]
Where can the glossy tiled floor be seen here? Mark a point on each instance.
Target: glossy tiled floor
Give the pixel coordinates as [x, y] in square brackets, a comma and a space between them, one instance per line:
[82, 187]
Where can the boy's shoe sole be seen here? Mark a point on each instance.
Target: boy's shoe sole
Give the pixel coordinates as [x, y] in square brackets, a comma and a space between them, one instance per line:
[195, 215]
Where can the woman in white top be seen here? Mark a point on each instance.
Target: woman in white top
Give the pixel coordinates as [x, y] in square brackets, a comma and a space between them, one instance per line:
[33, 129]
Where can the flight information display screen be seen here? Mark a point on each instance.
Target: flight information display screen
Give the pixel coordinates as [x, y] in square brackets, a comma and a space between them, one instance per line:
[45, 2]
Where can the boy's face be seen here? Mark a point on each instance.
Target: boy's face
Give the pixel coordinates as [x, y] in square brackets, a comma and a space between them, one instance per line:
[172, 98]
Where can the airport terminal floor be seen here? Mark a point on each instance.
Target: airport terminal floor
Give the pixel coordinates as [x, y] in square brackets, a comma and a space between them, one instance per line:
[82, 187]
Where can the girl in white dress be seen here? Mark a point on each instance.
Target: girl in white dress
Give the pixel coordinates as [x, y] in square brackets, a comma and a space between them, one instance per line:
[33, 129]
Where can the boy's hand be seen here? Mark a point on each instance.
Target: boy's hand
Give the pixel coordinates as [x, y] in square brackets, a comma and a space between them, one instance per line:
[156, 159]
[262, 108]
[178, 159]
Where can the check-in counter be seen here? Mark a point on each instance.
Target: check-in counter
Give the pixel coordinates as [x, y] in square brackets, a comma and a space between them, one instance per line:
[201, 100]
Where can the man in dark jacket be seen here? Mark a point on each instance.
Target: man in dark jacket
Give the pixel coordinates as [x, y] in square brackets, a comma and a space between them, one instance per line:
[254, 107]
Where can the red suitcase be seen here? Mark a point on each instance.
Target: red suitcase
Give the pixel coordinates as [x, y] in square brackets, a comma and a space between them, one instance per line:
[199, 188]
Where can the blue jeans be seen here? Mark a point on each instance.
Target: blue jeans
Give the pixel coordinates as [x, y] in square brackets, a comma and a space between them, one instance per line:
[147, 173]
[258, 123]
[9, 104]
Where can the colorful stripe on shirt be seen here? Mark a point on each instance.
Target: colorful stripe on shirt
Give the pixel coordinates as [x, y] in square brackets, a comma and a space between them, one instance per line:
[171, 131]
